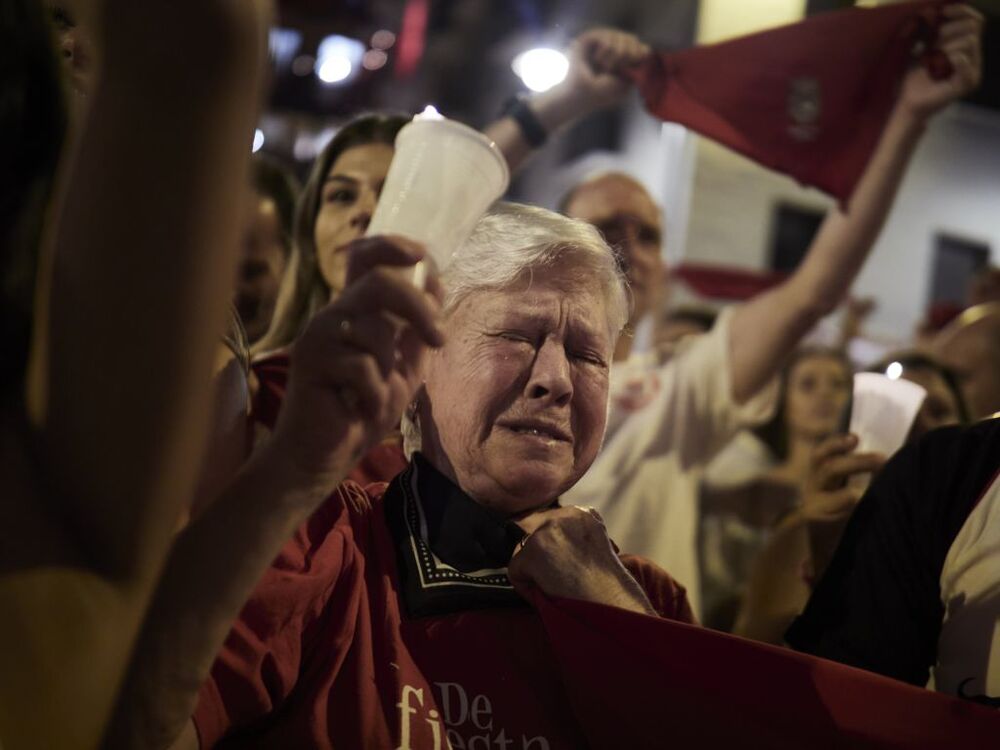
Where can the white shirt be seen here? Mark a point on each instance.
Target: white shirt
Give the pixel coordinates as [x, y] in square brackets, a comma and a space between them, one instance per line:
[665, 423]
[968, 658]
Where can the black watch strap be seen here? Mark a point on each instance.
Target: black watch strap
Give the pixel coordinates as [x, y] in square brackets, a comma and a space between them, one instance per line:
[531, 127]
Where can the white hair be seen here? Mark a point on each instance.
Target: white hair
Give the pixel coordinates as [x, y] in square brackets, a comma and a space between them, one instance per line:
[513, 240]
[510, 242]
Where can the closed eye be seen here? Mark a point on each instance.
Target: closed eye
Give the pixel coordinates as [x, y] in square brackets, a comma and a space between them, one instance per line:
[521, 338]
[589, 358]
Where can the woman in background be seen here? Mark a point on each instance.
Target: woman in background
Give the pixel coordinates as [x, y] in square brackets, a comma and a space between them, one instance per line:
[335, 209]
[756, 481]
[803, 544]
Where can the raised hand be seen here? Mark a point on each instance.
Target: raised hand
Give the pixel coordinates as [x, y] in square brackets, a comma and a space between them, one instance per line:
[960, 39]
[599, 59]
[826, 495]
[358, 363]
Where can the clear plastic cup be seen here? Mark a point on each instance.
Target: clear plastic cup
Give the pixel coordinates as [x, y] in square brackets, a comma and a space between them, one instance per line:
[443, 177]
[882, 413]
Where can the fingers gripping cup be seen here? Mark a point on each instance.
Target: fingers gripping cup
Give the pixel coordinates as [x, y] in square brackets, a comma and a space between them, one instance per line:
[443, 177]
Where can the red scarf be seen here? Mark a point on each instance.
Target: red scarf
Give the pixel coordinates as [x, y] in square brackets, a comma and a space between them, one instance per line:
[809, 99]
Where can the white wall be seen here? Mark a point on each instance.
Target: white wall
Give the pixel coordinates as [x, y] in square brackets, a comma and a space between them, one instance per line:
[953, 186]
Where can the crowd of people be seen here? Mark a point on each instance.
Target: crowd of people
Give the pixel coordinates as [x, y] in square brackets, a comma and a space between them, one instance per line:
[264, 491]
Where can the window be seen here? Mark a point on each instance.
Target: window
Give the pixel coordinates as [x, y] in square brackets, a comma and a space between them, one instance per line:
[956, 261]
[792, 231]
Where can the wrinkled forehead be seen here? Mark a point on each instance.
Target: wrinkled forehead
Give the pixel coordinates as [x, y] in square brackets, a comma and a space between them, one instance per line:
[606, 198]
[548, 296]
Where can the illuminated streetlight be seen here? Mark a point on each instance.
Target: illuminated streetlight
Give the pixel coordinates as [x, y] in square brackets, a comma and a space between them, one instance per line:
[334, 70]
[258, 140]
[541, 68]
[338, 58]
[894, 371]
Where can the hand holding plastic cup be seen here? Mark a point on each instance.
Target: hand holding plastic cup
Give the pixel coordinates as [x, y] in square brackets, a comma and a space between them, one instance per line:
[443, 177]
[882, 413]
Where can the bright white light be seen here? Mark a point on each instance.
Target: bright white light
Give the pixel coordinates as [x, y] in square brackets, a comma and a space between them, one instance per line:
[258, 140]
[430, 112]
[335, 70]
[338, 58]
[894, 371]
[541, 68]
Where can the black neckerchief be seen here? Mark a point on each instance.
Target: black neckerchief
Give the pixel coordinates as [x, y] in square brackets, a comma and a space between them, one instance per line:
[452, 553]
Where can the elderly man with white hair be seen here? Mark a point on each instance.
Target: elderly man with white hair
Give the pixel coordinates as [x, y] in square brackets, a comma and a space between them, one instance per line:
[397, 616]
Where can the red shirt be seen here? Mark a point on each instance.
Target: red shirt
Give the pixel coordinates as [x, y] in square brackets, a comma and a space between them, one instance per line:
[325, 653]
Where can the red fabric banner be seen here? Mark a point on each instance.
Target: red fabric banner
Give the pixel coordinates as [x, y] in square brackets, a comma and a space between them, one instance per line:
[809, 99]
[643, 682]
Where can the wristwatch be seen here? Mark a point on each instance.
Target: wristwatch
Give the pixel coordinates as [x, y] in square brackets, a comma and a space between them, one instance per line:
[517, 107]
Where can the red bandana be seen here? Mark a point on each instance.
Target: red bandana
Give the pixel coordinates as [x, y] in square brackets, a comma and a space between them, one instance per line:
[809, 99]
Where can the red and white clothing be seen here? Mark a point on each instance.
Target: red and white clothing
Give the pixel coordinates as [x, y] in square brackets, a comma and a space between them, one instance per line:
[388, 621]
[666, 422]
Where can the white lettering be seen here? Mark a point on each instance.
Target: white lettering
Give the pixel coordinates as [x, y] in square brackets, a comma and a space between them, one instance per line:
[435, 728]
[404, 714]
[453, 714]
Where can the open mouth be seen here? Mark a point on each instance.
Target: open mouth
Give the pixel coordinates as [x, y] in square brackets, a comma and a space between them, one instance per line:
[538, 429]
